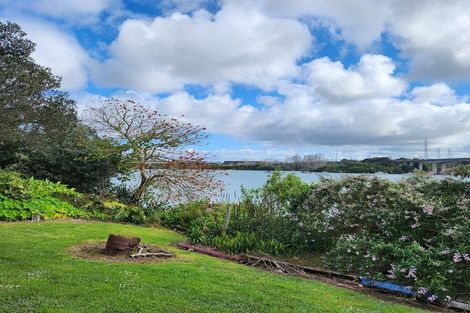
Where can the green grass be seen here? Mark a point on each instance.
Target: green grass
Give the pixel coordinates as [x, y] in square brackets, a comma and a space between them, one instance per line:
[38, 275]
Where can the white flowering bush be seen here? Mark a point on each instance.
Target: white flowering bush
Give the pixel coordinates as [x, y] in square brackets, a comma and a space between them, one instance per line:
[415, 232]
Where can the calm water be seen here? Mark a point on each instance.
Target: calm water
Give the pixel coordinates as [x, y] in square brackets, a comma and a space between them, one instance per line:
[252, 179]
[234, 179]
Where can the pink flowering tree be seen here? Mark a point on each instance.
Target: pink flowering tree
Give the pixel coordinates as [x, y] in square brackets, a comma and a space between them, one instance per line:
[158, 148]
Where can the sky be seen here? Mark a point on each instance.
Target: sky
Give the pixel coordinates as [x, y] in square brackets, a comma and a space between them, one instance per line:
[271, 78]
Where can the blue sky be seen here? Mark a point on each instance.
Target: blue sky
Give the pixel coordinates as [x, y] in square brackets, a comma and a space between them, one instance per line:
[271, 78]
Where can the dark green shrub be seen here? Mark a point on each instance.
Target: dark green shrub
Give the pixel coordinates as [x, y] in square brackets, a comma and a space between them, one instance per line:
[204, 229]
[182, 216]
[130, 214]
[111, 209]
[245, 243]
[269, 211]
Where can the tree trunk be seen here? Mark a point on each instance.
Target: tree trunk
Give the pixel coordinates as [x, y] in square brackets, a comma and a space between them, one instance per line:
[139, 192]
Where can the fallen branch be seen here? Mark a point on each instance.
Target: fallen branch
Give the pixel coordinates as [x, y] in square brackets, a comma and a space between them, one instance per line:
[157, 254]
[144, 251]
[289, 268]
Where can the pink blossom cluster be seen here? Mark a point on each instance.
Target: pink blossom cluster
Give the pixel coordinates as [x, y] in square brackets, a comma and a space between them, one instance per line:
[432, 298]
[458, 257]
[428, 209]
[411, 273]
[423, 291]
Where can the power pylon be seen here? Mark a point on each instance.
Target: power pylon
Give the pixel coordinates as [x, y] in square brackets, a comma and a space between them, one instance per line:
[426, 148]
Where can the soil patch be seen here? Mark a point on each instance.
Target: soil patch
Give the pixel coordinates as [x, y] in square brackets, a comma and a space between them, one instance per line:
[96, 250]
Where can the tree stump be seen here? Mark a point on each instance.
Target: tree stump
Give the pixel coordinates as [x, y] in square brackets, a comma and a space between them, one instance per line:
[121, 244]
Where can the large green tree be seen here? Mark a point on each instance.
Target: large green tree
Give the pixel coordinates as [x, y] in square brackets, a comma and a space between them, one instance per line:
[22, 86]
[40, 133]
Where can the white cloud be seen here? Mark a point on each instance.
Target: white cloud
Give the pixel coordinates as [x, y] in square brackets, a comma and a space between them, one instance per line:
[374, 117]
[218, 113]
[85, 100]
[58, 50]
[361, 22]
[304, 121]
[372, 77]
[438, 94]
[432, 34]
[236, 44]
[269, 101]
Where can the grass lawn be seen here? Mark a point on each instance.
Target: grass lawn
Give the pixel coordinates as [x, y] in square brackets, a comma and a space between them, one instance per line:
[37, 274]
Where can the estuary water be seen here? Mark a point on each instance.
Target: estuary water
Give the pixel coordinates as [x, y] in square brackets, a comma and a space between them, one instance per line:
[234, 179]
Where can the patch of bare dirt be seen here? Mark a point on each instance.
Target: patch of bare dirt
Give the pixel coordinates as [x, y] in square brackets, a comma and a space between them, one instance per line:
[93, 250]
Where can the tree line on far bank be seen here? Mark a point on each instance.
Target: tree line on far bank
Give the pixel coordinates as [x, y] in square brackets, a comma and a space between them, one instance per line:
[316, 163]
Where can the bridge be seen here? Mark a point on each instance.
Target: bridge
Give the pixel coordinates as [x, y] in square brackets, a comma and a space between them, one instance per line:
[437, 164]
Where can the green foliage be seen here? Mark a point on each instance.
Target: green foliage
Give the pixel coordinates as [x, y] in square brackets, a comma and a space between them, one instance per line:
[12, 185]
[258, 224]
[279, 195]
[372, 165]
[40, 134]
[73, 159]
[247, 242]
[130, 214]
[414, 232]
[182, 216]
[204, 229]
[24, 198]
[22, 84]
[462, 171]
[100, 207]
[266, 211]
